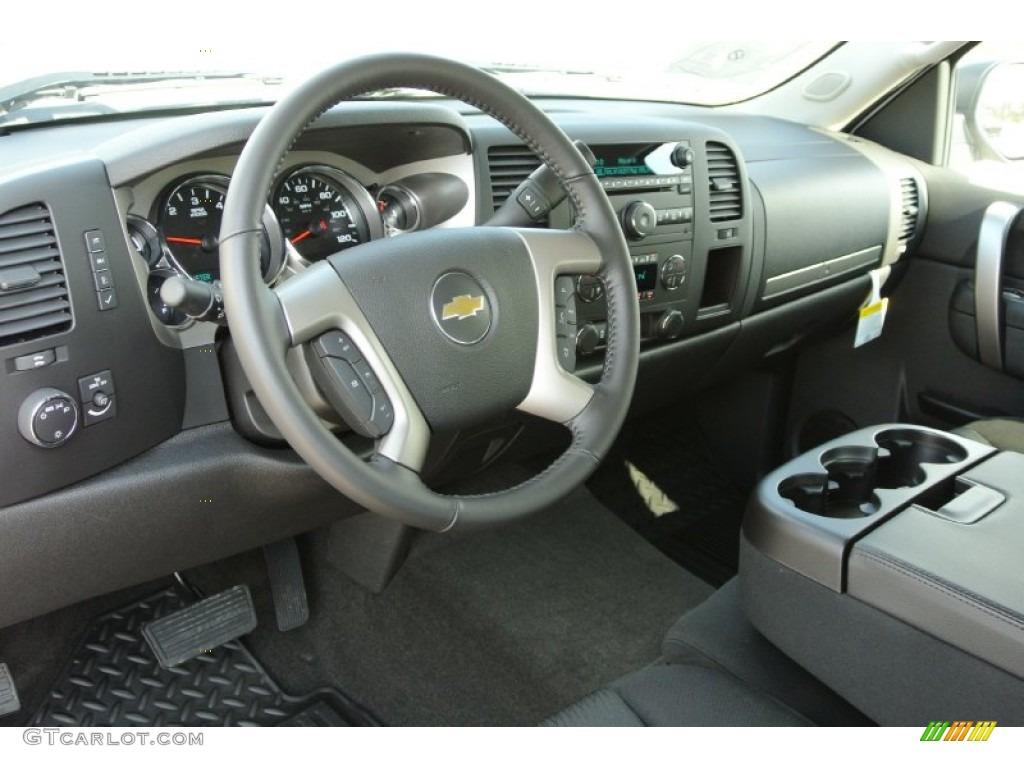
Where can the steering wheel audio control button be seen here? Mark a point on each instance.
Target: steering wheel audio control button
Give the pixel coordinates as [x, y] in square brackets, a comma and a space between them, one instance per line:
[565, 350]
[367, 375]
[352, 388]
[337, 344]
[565, 319]
[383, 414]
[564, 290]
[350, 384]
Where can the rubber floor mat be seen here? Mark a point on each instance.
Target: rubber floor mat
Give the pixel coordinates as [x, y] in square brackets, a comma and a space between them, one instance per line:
[114, 679]
[702, 534]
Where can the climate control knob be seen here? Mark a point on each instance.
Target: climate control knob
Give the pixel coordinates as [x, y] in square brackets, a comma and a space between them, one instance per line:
[639, 219]
[48, 417]
[670, 324]
[587, 339]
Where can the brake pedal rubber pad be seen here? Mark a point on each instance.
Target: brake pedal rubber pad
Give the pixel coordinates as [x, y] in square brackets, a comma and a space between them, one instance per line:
[8, 693]
[201, 627]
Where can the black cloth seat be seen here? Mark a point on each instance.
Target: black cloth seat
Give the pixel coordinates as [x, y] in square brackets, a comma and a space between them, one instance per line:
[716, 669]
[676, 695]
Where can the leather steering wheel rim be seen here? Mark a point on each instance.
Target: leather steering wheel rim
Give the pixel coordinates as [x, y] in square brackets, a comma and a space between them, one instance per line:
[263, 328]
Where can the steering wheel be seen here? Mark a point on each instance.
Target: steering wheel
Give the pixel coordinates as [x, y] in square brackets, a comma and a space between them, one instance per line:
[456, 325]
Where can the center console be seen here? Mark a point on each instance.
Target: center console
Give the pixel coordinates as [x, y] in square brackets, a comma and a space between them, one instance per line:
[684, 209]
[888, 564]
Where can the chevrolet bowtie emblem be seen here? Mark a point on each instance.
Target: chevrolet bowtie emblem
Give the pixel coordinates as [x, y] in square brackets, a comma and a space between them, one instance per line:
[462, 307]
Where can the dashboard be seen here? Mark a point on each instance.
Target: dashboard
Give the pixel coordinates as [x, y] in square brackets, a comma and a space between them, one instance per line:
[748, 235]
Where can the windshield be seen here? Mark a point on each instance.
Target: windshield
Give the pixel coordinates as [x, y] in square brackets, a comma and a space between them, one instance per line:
[95, 71]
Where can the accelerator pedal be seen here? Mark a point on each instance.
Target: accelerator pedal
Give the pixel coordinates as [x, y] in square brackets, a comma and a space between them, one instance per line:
[9, 702]
[201, 627]
[287, 584]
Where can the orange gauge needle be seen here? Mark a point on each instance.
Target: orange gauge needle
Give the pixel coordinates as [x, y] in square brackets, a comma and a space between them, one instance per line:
[301, 237]
[185, 240]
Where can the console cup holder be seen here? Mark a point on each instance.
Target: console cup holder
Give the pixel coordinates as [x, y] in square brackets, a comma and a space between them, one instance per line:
[901, 452]
[845, 489]
[852, 473]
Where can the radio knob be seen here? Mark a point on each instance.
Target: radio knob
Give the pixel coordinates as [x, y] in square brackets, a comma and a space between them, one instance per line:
[682, 156]
[670, 324]
[587, 338]
[639, 219]
[48, 417]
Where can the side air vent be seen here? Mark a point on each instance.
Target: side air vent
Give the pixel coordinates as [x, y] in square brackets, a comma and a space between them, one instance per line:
[910, 209]
[508, 167]
[724, 178]
[33, 292]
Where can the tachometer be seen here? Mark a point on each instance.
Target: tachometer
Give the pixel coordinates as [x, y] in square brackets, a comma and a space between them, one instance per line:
[190, 224]
[190, 215]
[323, 211]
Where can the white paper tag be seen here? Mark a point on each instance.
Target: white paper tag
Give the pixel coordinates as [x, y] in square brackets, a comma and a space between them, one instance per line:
[871, 318]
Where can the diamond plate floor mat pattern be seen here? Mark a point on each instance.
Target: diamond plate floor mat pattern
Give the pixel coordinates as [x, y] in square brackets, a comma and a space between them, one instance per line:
[114, 679]
[703, 532]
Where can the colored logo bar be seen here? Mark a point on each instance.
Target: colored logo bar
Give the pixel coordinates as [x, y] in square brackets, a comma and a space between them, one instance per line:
[959, 730]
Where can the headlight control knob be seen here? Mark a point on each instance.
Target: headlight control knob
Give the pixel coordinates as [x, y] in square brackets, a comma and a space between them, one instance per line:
[48, 417]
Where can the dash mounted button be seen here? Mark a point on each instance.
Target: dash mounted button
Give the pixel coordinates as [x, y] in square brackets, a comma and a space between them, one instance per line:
[96, 394]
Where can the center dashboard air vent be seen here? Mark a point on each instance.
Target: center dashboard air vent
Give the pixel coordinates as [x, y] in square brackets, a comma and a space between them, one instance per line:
[33, 291]
[726, 195]
[910, 209]
[508, 166]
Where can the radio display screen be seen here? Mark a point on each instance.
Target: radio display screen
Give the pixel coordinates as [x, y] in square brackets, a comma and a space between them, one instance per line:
[623, 160]
[646, 276]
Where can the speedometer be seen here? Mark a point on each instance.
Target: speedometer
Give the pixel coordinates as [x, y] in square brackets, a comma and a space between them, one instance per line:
[324, 211]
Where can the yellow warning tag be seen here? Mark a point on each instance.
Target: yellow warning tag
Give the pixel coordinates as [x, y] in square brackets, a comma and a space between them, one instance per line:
[871, 317]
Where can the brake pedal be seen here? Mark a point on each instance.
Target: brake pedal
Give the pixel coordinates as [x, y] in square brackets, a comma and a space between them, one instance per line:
[201, 627]
[9, 702]
[287, 584]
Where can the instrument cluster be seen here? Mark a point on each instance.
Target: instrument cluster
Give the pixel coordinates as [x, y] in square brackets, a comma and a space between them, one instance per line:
[314, 211]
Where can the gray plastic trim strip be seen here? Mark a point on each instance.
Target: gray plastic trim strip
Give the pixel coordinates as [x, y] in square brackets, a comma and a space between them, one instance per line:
[805, 276]
[988, 281]
[555, 394]
[317, 301]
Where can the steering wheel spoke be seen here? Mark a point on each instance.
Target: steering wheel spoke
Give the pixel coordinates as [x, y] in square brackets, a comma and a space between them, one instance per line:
[470, 324]
[350, 365]
[555, 393]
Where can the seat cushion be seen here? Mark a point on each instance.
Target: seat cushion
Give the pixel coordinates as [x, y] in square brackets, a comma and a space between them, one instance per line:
[716, 634]
[1005, 434]
[676, 695]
